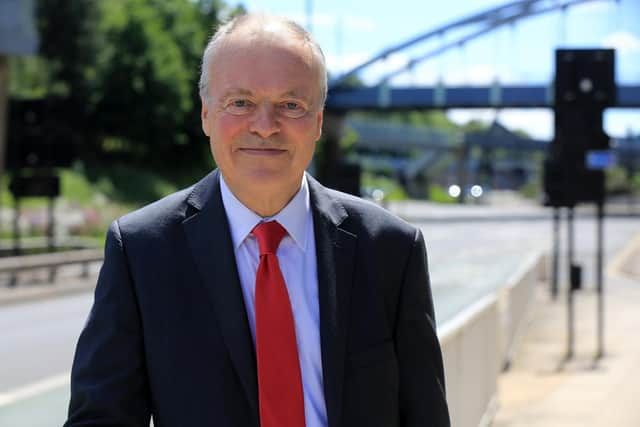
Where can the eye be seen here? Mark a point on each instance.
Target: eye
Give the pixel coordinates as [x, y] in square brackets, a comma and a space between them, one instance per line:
[293, 109]
[239, 106]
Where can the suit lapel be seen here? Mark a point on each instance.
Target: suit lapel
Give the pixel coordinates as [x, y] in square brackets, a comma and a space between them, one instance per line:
[335, 251]
[209, 238]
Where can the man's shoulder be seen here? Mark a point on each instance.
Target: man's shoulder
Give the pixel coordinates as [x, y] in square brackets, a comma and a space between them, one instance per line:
[365, 215]
[167, 212]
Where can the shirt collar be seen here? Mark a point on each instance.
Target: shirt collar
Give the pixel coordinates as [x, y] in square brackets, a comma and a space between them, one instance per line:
[293, 217]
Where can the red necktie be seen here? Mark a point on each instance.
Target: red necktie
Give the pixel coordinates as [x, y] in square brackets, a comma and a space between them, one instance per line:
[279, 380]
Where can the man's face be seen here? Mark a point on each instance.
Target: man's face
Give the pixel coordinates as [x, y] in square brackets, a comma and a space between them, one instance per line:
[263, 115]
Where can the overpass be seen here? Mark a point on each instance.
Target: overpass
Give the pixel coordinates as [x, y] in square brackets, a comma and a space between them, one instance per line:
[345, 96]
[387, 98]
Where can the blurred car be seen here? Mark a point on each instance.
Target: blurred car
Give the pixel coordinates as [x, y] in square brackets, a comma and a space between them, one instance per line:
[474, 192]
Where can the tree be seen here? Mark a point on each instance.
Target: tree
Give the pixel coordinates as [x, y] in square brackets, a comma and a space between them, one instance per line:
[148, 74]
[68, 43]
[128, 71]
[143, 92]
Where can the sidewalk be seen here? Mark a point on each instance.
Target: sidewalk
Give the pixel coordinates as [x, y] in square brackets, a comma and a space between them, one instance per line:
[540, 390]
[36, 287]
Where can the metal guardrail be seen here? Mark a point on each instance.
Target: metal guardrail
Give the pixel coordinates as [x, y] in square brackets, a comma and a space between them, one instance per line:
[52, 261]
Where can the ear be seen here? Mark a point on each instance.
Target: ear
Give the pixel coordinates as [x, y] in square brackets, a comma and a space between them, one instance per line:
[319, 118]
[204, 117]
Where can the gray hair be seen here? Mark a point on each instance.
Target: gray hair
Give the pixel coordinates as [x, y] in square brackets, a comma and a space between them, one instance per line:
[228, 28]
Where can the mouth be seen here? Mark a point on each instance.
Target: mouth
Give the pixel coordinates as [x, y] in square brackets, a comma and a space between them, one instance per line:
[262, 151]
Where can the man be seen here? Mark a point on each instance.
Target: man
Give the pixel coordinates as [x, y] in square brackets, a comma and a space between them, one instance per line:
[257, 296]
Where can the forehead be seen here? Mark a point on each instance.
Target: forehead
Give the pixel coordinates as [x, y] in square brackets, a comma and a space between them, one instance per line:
[270, 59]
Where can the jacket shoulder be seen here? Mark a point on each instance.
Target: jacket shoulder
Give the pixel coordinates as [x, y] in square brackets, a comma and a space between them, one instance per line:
[371, 218]
[156, 216]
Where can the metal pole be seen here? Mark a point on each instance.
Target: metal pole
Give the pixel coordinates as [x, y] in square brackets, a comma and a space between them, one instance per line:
[570, 311]
[16, 226]
[600, 280]
[555, 253]
[51, 225]
[13, 281]
[50, 237]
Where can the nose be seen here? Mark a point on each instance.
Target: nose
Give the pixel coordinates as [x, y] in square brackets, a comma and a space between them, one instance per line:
[264, 122]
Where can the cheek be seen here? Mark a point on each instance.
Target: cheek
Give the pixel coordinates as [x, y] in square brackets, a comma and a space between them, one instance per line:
[226, 127]
[306, 129]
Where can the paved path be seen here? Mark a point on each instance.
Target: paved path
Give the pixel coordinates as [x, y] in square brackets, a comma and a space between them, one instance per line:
[540, 390]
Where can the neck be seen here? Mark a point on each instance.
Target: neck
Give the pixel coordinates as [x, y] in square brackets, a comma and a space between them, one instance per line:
[265, 202]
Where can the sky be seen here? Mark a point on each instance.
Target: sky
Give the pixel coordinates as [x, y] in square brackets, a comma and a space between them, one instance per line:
[352, 31]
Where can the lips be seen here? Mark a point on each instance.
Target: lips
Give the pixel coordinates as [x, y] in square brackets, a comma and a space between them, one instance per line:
[262, 151]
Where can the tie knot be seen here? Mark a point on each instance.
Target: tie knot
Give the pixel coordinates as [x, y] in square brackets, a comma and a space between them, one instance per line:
[269, 235]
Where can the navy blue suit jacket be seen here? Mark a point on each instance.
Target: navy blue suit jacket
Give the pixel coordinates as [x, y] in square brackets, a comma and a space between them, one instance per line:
[168, 335]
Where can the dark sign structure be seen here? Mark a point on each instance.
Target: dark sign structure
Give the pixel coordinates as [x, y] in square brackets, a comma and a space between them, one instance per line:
[584, 87]
[38, 136]
[577, 158]
[35, 186]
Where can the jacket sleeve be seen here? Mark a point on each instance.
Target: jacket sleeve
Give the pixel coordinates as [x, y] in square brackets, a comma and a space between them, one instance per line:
[422, 387]
[109, 385]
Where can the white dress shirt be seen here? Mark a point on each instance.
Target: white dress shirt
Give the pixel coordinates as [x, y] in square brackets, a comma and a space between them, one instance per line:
[297, 258]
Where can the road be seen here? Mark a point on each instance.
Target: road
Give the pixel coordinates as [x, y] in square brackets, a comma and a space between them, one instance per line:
[38, 340]
[467, 261]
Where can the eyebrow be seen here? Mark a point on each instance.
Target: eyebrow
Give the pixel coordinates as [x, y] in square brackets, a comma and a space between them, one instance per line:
[234, 92]
[294, 93]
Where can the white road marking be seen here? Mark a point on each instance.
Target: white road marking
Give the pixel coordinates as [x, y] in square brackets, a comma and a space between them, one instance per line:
[35, 388]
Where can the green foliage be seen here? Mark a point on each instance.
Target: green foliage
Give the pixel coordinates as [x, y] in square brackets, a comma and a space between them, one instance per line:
[475, 126]
[126, 71]
[532, 189]
[144, 76]
[392, 190]
[635, 183]
[521, 133]
[136, 186]
[75, 187]
[68, 41]
[101, 193]
[440, 195]
[349, 140]
[29, 77]
[616, 181]
[5, 195]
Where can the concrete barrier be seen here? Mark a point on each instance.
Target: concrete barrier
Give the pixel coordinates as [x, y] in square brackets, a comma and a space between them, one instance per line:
[481, 340]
